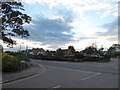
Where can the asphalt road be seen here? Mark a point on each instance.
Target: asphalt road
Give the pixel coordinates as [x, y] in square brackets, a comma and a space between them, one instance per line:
[72, 75]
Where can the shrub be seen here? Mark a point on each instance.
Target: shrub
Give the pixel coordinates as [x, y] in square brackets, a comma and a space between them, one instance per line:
[22, 56]
[88, 58]
[107, 56]
[9, 63]
[12, 63]
[11, 53]
[79, 55]
[115, 54]
[80, 60]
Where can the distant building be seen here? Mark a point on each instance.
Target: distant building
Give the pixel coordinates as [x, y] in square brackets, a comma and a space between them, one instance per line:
[66, 52]
[104, 52]
[37, 51]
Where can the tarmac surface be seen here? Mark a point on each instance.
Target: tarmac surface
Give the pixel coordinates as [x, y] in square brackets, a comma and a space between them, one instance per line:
[72, 75]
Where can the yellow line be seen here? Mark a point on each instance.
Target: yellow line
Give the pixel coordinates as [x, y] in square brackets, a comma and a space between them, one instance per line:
[41, 71]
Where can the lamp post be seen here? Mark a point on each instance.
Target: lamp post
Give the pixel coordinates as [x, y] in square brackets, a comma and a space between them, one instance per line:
[27, 48]
[21, 46]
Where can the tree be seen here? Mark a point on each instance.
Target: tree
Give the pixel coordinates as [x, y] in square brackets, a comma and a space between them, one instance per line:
[12, 20]
[91, 49]
[60, 52]
[100, 51]
[112, 51]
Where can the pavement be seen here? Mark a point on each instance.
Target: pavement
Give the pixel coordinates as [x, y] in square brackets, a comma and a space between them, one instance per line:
[33, 70]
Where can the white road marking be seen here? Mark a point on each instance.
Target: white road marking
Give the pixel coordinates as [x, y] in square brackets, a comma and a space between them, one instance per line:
[71, 69]
[57, 87]
[91, 76]
[54, 88]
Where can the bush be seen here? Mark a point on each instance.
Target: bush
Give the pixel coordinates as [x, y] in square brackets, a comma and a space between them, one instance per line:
[22, 56]
[9, 63]
[80, 60]
[107, 56]
[79, 55]
[88, 58]
[115, 54]
[12, 63]
[11, 53]
[34, 56]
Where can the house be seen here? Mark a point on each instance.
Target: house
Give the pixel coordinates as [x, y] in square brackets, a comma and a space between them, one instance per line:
[104, 52]
[66, 52]
[37, 51]
[70, 51]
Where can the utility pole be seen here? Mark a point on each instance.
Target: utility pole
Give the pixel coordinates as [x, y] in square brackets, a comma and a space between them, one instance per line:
[20, 47]
[27, 48]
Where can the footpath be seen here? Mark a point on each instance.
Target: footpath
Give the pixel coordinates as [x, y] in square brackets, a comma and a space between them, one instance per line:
[33, 70]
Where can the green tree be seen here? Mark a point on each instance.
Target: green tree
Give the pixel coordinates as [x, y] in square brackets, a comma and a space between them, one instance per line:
[100, 51]
[91, 49]
[12, 21]
[60, 52]
[112, 52]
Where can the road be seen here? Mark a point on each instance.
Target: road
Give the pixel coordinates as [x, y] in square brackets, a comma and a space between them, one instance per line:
[72, 75]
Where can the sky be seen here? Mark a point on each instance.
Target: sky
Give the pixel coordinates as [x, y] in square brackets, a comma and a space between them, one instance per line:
[61, 23]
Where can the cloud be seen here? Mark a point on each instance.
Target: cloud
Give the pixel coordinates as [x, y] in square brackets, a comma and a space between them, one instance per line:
[52, 26]
[55, 21]
[85, 38]
[108, 7]
[82, 38]
[113, 38]
[50, 31]
[25, 43]
[64, 13]
[111, 29]
[113, 11]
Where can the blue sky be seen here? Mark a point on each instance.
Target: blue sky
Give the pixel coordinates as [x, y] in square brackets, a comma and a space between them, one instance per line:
[60, 23]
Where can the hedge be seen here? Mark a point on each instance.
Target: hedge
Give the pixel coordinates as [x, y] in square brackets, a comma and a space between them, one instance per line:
[9, 63]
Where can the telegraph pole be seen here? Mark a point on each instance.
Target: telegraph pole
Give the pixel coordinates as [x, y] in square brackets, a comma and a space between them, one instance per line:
[20, 46]
[27, 48]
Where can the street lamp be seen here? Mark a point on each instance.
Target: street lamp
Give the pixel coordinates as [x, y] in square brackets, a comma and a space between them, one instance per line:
[21, 46]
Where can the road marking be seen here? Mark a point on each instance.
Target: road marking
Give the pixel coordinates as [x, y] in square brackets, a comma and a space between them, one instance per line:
[71, 69]
[54, 87]
[91, 76]
[57, 87]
